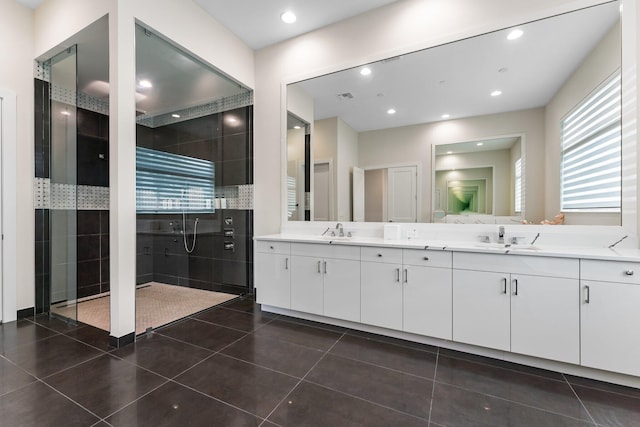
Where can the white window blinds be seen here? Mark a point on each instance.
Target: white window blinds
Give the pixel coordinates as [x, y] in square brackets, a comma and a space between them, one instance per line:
[171, 183]
[591, 151]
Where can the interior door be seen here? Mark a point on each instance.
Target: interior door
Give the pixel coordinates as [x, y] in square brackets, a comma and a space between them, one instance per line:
[402, 194]
[358, 194]
[322, 192]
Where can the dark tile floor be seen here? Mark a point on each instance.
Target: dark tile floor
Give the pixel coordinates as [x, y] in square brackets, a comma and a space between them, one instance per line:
[235, 365]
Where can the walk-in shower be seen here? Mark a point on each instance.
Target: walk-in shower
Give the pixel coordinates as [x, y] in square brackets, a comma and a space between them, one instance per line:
[193, 171]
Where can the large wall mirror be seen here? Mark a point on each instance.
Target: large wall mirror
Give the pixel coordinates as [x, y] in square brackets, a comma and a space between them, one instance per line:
[515, 125]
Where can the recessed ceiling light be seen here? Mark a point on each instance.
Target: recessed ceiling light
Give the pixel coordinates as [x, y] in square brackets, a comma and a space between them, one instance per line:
[288, 17]
[515, 34]
[446, 116]
[175, 116]
[297, 127]
[391, 111]
[365, 71]
[480, 144]
[496, 93]
[65, 113]
[145, 83]
[449, 152]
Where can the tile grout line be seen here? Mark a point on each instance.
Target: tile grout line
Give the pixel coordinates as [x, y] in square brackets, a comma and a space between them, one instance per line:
[579, 400]
[303, 377]
[433, 388]
[136, 399]
[526, 405]
[71, 400]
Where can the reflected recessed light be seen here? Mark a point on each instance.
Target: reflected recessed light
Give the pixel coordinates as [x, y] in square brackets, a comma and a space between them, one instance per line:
[145, 83]
[65, 113]
[391, 111]
[496, 93]
[449, 152]
[175, 116]
[480, 144]
[446, 116]
[515, 34]
[365, 71]
[288, 17]
[297, 127]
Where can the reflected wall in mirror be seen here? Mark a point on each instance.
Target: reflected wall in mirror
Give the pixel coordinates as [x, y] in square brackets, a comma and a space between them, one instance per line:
[392, 115]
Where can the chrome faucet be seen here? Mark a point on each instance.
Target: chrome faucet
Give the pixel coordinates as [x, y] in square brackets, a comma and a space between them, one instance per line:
[501, 234]
[340, 229]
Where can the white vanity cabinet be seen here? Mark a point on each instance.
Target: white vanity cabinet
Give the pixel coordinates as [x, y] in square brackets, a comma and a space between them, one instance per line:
[381, 289]
[527, 305]
[271, 271]
[325, 280]
[427, 298]
[610, 316]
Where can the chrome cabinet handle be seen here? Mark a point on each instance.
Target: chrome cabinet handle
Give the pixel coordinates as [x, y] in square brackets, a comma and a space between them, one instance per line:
[325, 267]
[398, 275]
[426, 258]
[629, 272]
[270, 247]
[406, 275]
[504, 285]
[286, 263]
[379, 255]
[587, 298]
[515, 282]
[318, 266]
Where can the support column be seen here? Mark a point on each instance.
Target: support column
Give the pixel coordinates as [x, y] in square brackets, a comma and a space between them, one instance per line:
[122, 173]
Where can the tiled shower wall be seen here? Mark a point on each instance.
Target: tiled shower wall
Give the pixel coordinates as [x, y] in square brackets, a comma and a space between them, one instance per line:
[89, 197]
[220, 261]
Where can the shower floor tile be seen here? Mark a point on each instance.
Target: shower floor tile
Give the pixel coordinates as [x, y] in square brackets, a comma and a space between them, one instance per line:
[157, 304]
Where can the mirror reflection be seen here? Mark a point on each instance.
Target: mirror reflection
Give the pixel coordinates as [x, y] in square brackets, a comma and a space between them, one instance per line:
[548, 92]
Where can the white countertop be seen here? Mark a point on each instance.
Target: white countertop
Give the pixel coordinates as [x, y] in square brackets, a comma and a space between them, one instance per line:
[602, 253]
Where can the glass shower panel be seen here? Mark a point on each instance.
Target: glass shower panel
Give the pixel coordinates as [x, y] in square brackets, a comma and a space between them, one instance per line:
[63, 185]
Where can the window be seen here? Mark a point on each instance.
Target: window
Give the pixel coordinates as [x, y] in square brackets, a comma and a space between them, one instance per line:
[518, 186]
[292, 198]
[171, 183]
[592, 151]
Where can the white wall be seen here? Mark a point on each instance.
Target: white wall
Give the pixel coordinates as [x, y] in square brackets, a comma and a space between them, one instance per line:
[16, 75]
[397, 145]
[395, 29]
[595, 69]
[347, 159]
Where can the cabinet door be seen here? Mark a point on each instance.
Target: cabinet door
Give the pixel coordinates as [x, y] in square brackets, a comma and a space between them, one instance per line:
[427, 301]
[610, 316]
[545, 317]
[342, 289]
[481, 314]
[306, 284]
[382, 295]
[272, 279]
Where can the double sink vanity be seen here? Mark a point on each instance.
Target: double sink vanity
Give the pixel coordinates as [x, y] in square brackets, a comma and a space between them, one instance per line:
[571, 309]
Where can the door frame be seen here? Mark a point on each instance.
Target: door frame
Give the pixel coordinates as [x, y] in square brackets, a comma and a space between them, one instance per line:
[332, 215]
[8, 214]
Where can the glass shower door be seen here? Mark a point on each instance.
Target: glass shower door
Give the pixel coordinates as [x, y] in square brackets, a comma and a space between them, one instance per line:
[63, 185]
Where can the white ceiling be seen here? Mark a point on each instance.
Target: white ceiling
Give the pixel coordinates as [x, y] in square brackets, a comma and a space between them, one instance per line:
[457, 78]
[258, 24]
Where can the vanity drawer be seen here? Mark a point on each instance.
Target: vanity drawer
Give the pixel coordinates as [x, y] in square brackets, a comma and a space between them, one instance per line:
[610, 271]
[273, 247]
[426, 258]
[325, 250]
[518, 264]
[379, 254]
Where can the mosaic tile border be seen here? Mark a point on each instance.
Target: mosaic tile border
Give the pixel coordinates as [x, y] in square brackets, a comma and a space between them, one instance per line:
[86, 197]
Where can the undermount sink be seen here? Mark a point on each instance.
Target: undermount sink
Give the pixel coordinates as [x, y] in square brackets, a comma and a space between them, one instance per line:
[337, 237]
